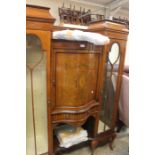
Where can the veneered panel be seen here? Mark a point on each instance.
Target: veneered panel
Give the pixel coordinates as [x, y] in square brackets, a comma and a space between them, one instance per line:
[76, 78]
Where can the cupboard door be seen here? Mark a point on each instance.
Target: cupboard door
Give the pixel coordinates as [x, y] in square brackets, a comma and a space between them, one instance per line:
[76, 78]
[36, 97]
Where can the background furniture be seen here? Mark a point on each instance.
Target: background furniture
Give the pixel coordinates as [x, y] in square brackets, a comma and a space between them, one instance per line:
[80, 17]
[68, 81]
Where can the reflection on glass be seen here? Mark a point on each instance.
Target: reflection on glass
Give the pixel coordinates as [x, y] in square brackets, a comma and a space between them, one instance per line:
[108, 93]
[36, 108]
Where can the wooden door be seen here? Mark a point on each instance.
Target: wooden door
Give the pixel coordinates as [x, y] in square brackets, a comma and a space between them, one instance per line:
[75, 76]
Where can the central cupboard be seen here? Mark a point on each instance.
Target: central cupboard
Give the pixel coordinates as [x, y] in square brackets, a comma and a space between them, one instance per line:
[77, 70]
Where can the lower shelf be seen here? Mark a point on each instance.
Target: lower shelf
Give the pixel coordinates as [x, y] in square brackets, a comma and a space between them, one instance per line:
[57, 148]
[71, 148]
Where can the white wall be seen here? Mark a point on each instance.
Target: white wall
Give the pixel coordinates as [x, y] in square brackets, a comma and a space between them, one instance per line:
[122, 14]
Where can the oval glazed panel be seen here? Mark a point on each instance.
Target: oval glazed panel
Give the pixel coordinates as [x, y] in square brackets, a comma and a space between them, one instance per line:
[114, 53]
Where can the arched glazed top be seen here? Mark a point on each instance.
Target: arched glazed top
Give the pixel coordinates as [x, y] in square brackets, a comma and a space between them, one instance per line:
[34, 53]
[45, 38]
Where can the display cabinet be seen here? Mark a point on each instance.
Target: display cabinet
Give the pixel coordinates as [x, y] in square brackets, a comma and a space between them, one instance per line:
[70, 82]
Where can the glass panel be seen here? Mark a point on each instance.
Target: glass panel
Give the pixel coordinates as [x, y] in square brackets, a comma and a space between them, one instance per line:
[36, 107]
[108, 94]
[114, 53]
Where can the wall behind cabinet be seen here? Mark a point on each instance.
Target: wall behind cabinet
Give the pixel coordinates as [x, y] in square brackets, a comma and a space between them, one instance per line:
[55, 4]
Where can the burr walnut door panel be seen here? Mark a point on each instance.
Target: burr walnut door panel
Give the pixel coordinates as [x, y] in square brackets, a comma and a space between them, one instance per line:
[76, 78]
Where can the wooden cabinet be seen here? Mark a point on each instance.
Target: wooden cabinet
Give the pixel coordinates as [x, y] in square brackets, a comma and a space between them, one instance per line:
[70, 82]
[76, 83]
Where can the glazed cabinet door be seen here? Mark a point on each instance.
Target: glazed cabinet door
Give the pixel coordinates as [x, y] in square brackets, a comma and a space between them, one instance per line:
[112, 84]
[37, 77]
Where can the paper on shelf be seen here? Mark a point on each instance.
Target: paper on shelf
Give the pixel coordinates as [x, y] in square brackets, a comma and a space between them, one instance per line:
[78, 35]
[68, 135]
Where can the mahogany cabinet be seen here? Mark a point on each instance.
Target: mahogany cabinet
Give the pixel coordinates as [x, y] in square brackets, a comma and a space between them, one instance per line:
[76, 75]
[70, 82]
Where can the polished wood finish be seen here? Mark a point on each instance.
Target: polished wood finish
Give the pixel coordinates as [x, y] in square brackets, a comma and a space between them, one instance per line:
[75, 75]
[39, 18]
[37, 13]
[108, 26]
[74, 79]
[107, 136]
[73, 71]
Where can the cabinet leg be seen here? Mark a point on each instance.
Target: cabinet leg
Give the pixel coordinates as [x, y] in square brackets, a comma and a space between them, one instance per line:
[93, 145]
[111, 141]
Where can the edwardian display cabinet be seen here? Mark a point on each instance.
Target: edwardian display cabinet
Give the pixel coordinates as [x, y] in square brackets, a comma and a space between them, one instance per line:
[70, 82]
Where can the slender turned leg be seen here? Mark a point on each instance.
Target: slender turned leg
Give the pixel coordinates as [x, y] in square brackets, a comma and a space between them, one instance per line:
[111, 141]
[110, 145]
[93, 145]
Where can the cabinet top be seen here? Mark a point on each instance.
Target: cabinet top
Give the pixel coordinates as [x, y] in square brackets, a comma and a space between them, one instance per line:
[108, 24]
[39, 13]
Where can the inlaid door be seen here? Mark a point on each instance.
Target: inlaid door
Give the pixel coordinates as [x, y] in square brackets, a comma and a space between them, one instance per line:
[75, 77]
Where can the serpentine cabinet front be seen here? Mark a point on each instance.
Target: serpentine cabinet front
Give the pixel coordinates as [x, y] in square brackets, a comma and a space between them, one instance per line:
[76, 73]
